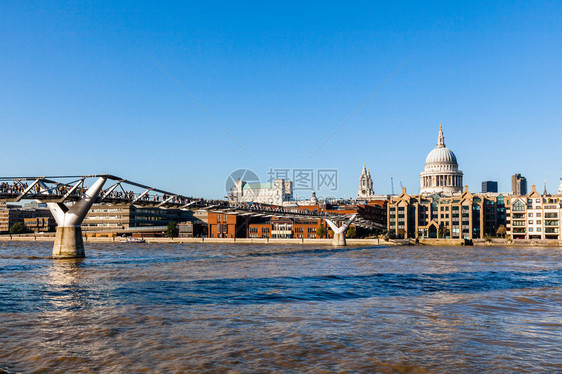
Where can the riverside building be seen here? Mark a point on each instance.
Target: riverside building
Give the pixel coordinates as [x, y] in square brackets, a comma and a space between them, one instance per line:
[460, 216]
[119, 217]
[10, 214]
[534, 216]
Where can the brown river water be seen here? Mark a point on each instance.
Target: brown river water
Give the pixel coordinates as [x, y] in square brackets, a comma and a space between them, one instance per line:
[204, 308]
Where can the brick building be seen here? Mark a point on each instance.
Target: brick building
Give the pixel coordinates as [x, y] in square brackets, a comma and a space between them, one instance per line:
[462, 216]
[222, 225]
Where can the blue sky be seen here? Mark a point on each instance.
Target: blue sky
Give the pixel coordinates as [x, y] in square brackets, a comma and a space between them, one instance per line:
[82, 91]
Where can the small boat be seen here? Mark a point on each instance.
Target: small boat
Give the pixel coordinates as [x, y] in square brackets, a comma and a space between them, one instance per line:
[133, 240]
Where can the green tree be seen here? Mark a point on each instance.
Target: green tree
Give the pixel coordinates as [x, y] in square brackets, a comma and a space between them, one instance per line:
[321, 230]
[18, 228]
[501, 231]
[351, 232]
[443, 232]
[172, 231]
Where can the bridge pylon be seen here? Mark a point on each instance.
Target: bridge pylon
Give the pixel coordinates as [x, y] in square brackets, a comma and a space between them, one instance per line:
[339, 232]
[68, 238]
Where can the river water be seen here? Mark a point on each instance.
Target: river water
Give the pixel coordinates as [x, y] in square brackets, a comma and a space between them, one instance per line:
[269, 309]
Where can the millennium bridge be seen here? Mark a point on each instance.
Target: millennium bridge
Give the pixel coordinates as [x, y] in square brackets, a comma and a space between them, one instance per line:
[69, 200]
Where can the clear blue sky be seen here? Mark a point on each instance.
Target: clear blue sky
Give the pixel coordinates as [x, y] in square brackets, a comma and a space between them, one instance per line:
[81, 91]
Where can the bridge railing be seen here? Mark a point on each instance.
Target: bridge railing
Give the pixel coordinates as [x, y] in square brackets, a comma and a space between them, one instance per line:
[119, 190]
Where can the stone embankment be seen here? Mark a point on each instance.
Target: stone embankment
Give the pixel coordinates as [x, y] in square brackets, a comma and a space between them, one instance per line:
[47, 238]
[295, 241]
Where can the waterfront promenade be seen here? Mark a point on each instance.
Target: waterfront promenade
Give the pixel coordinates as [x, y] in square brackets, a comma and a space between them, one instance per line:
[297, 241]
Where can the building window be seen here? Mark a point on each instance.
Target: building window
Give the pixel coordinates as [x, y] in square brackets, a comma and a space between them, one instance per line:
[538, 214]
[530, 214]
[530, 229]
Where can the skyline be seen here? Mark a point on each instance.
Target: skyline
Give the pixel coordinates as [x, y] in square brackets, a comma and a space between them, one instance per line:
[281, 79]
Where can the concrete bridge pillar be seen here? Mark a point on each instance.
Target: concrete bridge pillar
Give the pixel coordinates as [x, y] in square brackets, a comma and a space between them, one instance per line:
[68, 238]
[339, 232]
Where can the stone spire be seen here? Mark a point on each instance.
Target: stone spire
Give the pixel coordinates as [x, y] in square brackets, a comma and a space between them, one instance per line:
[365, 184]
[440, 138]
[560, 187]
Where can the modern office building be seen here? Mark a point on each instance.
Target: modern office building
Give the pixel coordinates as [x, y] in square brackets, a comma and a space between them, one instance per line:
[192, 229]
[10, 214]
[489, 186]
[518, 185]
[40, 224]
[124, 216]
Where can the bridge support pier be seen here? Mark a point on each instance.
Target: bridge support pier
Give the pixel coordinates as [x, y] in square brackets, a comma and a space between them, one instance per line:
[339, 232]
[68, 238]
[68, 242]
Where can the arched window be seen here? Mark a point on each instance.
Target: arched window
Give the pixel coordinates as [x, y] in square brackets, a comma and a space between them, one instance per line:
[518, 206]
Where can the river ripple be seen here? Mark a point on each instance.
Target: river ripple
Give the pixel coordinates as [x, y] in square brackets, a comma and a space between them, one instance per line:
[252, 308]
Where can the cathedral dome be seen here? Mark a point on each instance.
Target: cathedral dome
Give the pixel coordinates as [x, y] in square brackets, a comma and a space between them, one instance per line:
[441, 173]
[441, 155]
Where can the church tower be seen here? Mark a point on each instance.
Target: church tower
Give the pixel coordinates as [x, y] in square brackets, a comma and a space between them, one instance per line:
[366, 190]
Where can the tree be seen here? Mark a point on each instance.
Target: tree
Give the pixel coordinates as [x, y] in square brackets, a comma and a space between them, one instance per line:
[321, 230]
[351, 232]
[443, 231]
[172, 231]
[18, 228]
[501, 231]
